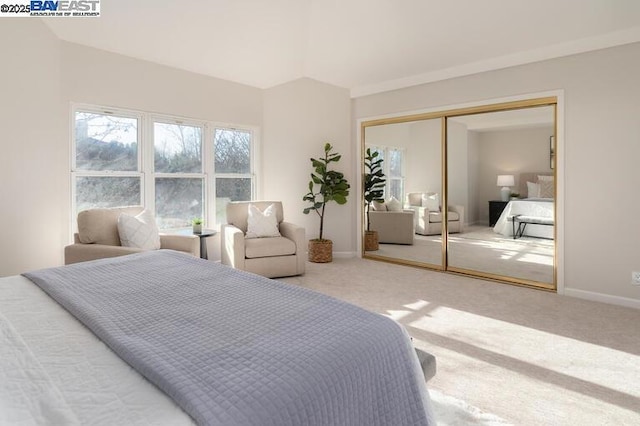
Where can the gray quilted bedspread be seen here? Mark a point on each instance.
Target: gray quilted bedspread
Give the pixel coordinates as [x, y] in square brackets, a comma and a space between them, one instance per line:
[232, 348]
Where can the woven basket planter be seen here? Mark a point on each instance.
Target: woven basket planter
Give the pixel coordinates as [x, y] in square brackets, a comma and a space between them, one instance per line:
[371, 241]
[320, 251]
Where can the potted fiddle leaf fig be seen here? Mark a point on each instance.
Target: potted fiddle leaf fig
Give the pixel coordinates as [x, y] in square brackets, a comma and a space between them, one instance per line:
[326, 185]
[373, 190]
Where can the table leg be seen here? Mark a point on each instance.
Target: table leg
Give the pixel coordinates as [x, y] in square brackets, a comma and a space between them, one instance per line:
[203, 248]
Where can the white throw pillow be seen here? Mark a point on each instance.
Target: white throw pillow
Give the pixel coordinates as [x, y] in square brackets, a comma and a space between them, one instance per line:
[262, 224]
[546, 189]
[533, 190]
[139, 231]
[393, 205]
[379, 206]
[431, 201]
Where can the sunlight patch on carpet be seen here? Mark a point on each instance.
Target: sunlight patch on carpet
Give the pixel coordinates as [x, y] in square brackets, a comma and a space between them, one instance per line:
[450, 411]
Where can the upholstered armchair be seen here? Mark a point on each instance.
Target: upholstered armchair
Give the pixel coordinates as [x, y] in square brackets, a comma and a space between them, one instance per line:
[274, 256]
[393, 227]
[428, 218]
[98, 237]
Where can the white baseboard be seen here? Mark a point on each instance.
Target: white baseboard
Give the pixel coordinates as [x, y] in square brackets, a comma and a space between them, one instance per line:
[344, 254]
[604, 298]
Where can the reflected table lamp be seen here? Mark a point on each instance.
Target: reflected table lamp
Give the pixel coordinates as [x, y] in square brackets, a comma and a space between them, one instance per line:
[506, 182]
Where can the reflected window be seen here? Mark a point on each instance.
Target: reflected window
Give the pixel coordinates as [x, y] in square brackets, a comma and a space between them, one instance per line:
[393, 169]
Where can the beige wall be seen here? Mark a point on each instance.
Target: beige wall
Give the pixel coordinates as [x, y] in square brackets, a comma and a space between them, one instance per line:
[601, 134]
[472, 213]
[99, 77]
[299, 117]
[34, 161]
[509, 152]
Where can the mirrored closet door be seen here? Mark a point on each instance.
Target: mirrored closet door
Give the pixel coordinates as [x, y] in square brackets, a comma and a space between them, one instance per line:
[492, 166]
[409, 154]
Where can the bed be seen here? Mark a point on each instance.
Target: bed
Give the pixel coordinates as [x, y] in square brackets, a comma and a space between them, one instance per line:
[532, 216]
[195, 342]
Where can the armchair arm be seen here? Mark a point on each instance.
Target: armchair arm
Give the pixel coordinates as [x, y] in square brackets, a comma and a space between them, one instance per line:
[297, 235]
[232, 246]
[75, 253]
[460, 210]
[186, 243]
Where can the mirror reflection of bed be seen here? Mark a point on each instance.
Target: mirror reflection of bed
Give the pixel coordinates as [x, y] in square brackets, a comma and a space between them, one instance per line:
[480, 147]
[501, 249]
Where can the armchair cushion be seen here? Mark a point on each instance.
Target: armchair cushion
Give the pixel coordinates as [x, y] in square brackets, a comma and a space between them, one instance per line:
[268, 247]
[436, 217]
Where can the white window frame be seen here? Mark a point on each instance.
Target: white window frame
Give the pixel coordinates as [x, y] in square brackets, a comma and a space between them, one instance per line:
[146, 152]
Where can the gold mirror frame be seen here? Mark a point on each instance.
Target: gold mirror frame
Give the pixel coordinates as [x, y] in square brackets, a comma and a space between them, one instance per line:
[443, 116]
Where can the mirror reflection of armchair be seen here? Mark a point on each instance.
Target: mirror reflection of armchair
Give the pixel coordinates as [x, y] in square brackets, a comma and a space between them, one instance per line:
[393, 227]
[428, 214]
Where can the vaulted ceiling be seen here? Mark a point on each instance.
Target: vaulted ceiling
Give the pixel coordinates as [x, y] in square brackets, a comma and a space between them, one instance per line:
[366, 46]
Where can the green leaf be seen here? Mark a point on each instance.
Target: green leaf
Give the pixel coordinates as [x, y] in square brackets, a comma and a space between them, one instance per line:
[340, 199]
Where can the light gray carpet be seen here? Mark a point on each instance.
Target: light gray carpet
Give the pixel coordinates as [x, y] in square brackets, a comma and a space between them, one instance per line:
[481, 249]
[526, 356]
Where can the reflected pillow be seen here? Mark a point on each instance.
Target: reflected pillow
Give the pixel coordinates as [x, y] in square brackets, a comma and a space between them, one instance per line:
[393, 205]
[545, 178]
[379, 206]
[431, 201]
[262, 224]
[533, 190]
[546, 189]
[139, 231]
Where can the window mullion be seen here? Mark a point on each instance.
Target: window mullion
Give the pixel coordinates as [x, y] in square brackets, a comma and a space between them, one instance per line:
[208, 165]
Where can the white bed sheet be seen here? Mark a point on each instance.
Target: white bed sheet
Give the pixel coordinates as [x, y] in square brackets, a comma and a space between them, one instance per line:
[540, 207]
[53, 370]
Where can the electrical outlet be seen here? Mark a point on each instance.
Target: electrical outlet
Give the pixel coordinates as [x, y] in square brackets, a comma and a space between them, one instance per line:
[635, 278]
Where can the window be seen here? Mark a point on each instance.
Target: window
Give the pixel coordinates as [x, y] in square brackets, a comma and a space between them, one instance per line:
[106, 161]
[393, 169]
[179, 175]
[233, 178]
[179, 169]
